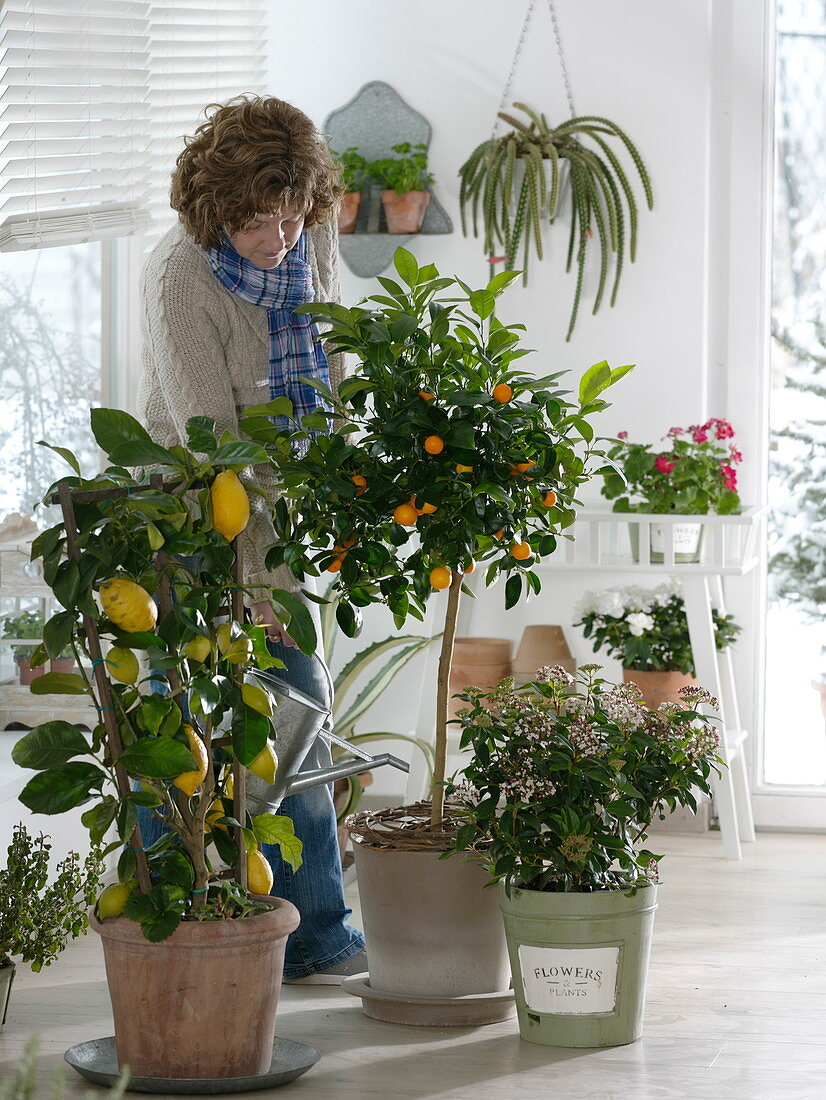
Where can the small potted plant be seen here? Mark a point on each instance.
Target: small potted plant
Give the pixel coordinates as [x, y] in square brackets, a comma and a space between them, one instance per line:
[565, 777]
[28, 624]
[39, 917]
[447, 456]
[647, 630]
[403, 180]
[354, 179]
[515, 180]
[149, 563]
[695, 475]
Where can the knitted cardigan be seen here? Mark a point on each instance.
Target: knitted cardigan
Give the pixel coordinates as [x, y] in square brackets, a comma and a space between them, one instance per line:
[206, 353]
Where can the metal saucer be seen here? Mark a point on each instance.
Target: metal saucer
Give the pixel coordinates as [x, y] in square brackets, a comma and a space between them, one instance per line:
[97, 1061]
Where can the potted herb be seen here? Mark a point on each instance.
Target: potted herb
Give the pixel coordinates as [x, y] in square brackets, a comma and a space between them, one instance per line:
[125, 546]
[403, 180]
[28, 624]
[39, 917]
[447, 457]
[565, 777]
[516, 181]
[695, 475]
[647, 630]
[353, 179]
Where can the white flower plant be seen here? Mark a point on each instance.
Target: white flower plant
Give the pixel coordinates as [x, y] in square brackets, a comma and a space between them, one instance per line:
[646, 628]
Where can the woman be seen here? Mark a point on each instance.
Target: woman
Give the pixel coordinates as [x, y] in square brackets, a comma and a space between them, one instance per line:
[256, 192]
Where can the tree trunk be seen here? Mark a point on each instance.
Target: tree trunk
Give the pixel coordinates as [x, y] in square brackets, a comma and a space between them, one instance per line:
[437, 793]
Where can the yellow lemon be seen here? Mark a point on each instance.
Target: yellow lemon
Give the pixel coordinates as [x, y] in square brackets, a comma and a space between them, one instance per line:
[112, 901]
[265, 764]
[235, 650]
[230, 504]
[216, 811]
[122, 664]
[128, 605]
[188, 782]
[198, 648]
[259, 873]
[256, 697]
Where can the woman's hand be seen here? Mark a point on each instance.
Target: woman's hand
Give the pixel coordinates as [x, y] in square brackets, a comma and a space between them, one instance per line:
[263, 615]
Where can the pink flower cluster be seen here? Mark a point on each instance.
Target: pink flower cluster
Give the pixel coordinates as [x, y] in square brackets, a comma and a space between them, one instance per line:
[663, 465]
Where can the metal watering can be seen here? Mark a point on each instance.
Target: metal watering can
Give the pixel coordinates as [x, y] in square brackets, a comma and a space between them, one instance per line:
[298, 721]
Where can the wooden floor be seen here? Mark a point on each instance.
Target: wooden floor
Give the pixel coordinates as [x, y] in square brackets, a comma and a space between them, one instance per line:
[736, 1005]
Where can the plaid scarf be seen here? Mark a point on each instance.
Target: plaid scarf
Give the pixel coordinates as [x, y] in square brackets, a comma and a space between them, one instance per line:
[295, 351]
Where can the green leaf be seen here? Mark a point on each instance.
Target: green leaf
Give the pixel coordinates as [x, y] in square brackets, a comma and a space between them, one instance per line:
[66, 584]
[157, 758]
[502, 281]
[176, 869]
[349, 619]
[49, 745]
[513, 590]
[112, 426]
[98, 820]
[250, 731]
[297, 619]
[594, 381]
[59, 683]
[141, 452]
[407, 266]
[620, 372]
[483, 303]
[64, 453]
[281, 406]
[57, 632]
[278, 829]
[60, 789]
[239, 451]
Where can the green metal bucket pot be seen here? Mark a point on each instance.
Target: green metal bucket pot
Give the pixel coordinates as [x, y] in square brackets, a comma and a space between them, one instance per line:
[579, 963]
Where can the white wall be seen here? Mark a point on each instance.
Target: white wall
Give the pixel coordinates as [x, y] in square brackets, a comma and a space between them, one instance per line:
[686, 79]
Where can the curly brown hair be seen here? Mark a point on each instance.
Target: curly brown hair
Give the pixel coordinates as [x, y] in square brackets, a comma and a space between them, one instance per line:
[253, 155]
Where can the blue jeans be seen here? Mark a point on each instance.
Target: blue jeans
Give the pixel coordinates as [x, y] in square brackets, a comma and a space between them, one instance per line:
[325, 937]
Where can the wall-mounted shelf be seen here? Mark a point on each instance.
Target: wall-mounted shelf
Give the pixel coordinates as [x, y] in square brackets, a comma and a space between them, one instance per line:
[375, 119]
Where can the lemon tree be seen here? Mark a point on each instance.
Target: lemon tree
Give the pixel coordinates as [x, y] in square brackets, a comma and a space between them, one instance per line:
[152, 569]
[445, 452]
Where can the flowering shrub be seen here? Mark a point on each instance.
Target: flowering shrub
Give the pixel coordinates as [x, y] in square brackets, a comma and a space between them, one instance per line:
[697, 475]
[562, 785]
[646, 628]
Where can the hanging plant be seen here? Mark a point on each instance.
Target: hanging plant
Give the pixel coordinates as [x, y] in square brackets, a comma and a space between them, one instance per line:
[506, 178]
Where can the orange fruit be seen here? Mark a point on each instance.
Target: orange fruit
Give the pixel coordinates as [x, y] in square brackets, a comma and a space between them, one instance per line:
[498, 534]
[427, 509]
[440, 577]
[520, 468]
[406, 515]
[471, 567]
[549, 499]
[521, 550]
[462, 469]
[434, 445]
[345, 545]
[336, 563]
[425, 396]
[360, 482]
[502, 393]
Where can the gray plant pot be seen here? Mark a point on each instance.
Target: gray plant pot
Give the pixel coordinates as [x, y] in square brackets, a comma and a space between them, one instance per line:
[579, 964]
[6, 979]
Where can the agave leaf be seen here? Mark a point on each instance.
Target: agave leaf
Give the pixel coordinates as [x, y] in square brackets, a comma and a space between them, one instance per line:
[371, 692]
[365, 657]
[329, 630]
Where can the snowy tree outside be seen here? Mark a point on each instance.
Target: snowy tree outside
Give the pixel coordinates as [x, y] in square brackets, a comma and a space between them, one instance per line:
[795, 745]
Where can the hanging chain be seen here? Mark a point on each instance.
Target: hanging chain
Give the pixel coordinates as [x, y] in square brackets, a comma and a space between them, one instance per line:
[517, 56]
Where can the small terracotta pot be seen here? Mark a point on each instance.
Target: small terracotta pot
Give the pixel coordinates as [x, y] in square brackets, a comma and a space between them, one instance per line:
[348, 212]
[658, 687]
[482, 651]
[478, 675]
[25, 672]
[202, 1002]
[405, 213]
[62, 664]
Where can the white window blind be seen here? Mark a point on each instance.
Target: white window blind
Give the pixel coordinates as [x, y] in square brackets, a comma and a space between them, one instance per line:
[73, 106]
[200, 52]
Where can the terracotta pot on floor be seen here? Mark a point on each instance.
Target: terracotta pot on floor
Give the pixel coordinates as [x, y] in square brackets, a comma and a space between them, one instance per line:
[202, 1002]
[477, 662]
[405, 213]
[25, 672]
[348, 212]
[658, 687]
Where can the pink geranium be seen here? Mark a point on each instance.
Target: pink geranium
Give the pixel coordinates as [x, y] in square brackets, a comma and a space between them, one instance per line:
[622, 435]
[729, 476]
[736, 456]
[700, 435]
[663, 465]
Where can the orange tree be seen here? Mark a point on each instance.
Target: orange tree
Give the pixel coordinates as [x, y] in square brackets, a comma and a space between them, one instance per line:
[444, 454]
[125, 543]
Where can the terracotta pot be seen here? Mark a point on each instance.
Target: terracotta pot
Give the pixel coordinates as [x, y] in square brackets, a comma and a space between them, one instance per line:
[542, 645]
[431, 928]
[348, 212]
[202, 1002]
[405, 213]
[62, 664]
[478, 675]
[25, 672]
[658, 687]
[482, 651]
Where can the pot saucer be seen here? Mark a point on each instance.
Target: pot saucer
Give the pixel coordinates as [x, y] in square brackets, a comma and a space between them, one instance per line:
[97, 1061]
[472, 1010]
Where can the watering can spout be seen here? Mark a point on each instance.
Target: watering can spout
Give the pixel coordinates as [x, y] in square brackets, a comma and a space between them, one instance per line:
[299, 720]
